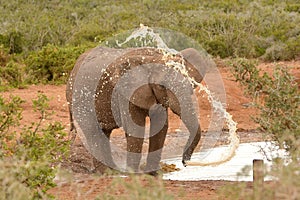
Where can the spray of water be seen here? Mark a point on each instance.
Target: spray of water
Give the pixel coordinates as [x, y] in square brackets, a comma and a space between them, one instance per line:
[142, 33]
[145, 32]
[218, 107]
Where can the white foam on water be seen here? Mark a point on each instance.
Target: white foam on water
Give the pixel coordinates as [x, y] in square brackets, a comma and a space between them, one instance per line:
[231, 170]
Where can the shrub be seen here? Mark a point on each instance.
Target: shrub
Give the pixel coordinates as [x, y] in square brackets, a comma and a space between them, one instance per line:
[12, 75]
[28, 158]
[225, 28]
[11, 70]
[10, 115]
[277, 98]
[52, 64]
[13, 41]
[293, 48]
[280, 114]
[4, 57]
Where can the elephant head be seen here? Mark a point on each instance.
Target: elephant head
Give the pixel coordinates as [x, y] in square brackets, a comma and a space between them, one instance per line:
[155, 92]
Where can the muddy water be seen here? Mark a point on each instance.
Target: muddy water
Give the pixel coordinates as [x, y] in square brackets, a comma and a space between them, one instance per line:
[231, 170]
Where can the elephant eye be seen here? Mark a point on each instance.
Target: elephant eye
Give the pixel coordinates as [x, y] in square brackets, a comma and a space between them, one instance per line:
[161, 87]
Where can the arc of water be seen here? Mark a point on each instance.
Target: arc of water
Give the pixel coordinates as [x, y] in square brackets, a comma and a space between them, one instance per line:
[218, 107]
[145, 31]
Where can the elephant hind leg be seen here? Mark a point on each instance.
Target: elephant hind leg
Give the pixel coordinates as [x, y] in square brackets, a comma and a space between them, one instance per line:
[72, 132]
[107, 161]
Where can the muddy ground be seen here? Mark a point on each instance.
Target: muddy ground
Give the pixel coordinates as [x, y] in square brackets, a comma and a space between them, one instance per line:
[84, 185]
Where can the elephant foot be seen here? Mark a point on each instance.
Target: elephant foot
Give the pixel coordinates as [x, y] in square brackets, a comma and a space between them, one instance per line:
[133, 162]
[72, 136]
[186, 157]
[101, 168]
[153, 170]
[184, 163]
[153, 173]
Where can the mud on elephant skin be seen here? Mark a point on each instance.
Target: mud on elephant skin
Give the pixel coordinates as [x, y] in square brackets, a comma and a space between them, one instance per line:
[138, 83]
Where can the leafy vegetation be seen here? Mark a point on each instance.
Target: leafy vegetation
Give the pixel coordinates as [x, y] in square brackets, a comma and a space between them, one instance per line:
[51, 64]
[253, 29]
[277, 97]
[11, 70]
[28, 156]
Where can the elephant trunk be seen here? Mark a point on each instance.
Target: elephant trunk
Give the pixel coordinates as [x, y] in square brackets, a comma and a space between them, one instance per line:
[189, 117]
[181, 103]
[190, 146]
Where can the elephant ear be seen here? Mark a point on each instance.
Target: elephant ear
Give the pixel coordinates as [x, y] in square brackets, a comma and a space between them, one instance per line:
[197, 63]
[143, 97]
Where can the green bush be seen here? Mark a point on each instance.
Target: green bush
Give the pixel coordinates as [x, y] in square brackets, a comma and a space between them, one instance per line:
[293, 7]
[225, 28]
[11, 70]
[280, 113]
[13, 41]
[10, 115]
[293, 48]
[4, 56]
[242, 29]
[28, 157]
[51, 64]
[12, 75]
[47, 22]
[277, 97]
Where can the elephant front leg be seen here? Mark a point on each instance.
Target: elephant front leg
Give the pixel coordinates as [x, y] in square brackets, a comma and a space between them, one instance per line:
[158, 131]
[134, 126]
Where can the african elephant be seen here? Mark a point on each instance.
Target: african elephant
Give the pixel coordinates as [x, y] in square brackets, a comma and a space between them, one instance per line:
[134, 84]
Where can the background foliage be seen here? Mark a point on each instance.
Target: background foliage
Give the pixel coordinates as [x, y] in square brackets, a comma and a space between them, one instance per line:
[277, 96]
[265, 29]
[29, 157]
[48, 39]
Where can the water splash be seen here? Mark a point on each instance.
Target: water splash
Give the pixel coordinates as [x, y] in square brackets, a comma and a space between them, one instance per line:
[145, 32]
[142, 35]
[219, 108]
